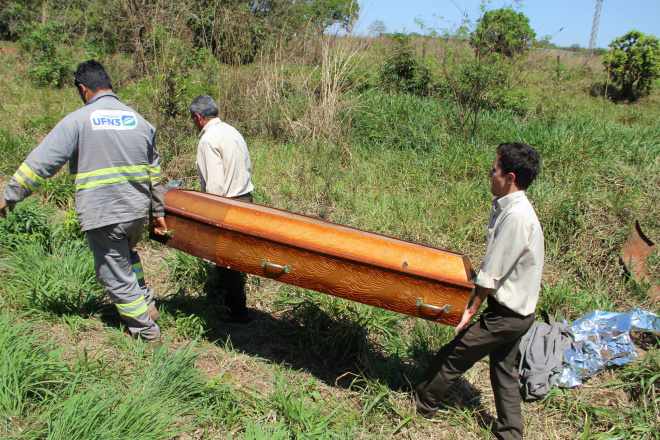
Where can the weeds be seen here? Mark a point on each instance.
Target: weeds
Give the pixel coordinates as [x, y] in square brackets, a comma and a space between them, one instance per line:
[187, 273]
[30, 371]
[58, 279]
[13, 149]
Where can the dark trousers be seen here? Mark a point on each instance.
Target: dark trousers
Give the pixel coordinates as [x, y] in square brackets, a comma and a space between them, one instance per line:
[497, 334]
[230, 284]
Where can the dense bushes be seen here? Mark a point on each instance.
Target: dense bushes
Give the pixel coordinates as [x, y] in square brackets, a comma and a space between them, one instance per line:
[634, 63]
[403, 71]
[41, 42]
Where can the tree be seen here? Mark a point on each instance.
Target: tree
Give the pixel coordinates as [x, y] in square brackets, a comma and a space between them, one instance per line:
[502, 31]
[321, 14]
[491, 79]
[377, 27]
[633, 63]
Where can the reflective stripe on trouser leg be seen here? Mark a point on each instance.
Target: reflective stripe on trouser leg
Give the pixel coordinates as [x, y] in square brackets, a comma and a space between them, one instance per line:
[111, 246]
[139, 274]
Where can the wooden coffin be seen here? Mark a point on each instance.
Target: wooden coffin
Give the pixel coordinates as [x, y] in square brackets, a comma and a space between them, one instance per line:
[350, 263]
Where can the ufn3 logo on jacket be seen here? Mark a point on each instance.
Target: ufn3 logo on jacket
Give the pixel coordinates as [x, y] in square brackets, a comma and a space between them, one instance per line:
[113, 120]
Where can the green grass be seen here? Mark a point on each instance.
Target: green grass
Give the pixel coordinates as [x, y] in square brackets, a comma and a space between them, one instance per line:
[30, 371]
[322, 367]
[58, 278]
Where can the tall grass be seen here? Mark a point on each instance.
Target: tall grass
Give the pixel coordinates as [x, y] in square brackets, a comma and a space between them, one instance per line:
[58, 278]
[13, 149]
[31, 372]
[148, 405]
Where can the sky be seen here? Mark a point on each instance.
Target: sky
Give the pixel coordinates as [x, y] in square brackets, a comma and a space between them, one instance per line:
[567, 22]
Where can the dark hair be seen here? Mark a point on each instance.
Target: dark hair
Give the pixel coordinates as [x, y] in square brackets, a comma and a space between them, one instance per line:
[205, 106]
[92, 75]
[521, 160]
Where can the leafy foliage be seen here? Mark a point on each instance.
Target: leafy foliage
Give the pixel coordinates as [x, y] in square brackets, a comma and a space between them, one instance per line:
[14, 15]
[403, 72]
[28, 223]
[41, 42]
[238, 30]
[477, 84]
[321, 14]
[502, 31]
[634, 63]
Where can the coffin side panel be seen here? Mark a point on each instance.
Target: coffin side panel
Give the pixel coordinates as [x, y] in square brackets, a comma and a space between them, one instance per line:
[314, 270]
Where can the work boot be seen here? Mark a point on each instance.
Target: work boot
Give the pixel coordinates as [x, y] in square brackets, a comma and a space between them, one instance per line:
[153, 312]
[154, 343]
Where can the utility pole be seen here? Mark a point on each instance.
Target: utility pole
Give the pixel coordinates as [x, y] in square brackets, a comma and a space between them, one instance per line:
[594, 28]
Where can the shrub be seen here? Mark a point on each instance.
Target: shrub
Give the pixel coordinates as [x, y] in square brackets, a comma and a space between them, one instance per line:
[633, 63]
[403, 72]
[502, 31]
[41, 41]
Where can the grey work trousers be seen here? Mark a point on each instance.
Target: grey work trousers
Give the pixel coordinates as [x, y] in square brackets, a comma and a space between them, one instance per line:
[119, 270]
[497, 333]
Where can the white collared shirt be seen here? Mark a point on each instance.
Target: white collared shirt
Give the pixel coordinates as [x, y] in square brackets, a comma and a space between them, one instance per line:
[223, 160]
[515, 251]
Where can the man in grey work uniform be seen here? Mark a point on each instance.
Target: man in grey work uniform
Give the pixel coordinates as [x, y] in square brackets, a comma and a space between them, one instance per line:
[225, 169]
[510, 276]
[114, 166]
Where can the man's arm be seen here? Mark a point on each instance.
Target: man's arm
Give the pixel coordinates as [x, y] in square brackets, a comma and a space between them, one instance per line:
[43, 162]
[502, 254]
[472, 308]
[157, 209]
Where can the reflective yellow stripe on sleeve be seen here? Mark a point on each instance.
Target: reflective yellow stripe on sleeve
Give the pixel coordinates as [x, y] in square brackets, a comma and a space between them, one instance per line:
[23, 182]
[31, 174]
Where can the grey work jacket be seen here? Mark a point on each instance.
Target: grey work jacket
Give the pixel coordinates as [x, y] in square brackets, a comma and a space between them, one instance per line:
[113, 162]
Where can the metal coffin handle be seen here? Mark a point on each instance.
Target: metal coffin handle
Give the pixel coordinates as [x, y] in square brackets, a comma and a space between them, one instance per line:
[266, 265]
[437, 309]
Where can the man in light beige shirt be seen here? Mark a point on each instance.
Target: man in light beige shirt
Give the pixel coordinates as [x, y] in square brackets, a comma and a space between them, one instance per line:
[510, 276]
[225, 169]
[223, 160]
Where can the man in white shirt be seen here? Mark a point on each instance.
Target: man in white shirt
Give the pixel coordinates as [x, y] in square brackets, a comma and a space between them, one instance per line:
[510, 276]
[225, 169]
